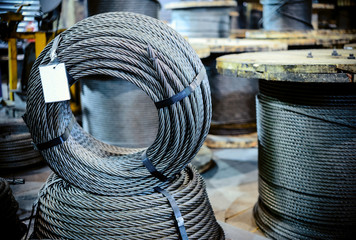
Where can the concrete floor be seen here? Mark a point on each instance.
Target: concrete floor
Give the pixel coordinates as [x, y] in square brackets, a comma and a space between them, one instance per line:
[231, 186]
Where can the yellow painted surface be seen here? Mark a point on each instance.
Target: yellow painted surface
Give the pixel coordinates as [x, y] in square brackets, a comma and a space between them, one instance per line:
[12, 52]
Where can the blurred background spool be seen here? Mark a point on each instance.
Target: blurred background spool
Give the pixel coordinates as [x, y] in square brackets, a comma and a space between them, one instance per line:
[16, 149]
[202, 18]
[146, 7]
[233, 98]
[306, 128]
[287, 15]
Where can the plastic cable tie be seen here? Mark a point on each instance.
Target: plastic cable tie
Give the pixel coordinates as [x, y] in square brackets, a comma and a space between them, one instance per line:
[185, 93]
[177, 214]
[58, 140]
[154, 172]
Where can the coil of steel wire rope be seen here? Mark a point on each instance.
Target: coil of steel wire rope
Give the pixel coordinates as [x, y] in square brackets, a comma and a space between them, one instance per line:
[16, 149]
[309, 191]
[68, 212]
[147, 53]
[10, 226]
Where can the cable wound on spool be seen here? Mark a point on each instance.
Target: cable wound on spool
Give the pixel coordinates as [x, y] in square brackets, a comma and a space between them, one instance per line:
[307, 164]
[287, 15]
[146, 7]
[65, 211]
[16, 149]
[115, 44]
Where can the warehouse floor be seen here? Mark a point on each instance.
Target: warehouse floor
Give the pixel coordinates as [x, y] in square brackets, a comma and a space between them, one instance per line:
[231, 185]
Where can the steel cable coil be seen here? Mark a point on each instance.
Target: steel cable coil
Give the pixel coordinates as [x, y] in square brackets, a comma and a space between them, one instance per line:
[10, 226]
[67, 212]
[307, 160]
[147, 53]
[16, 149]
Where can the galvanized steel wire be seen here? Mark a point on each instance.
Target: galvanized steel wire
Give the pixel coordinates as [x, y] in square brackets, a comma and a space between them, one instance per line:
[66, 212]
[307, 160]
[115, 44]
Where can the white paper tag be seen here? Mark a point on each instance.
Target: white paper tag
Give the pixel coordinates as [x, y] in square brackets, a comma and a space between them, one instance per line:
[54, 83]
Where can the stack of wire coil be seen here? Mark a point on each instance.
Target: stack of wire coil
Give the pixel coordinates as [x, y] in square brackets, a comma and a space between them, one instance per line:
[113, 192]
[307, 160]
[83, 214]
[10, 225]
[16, 149]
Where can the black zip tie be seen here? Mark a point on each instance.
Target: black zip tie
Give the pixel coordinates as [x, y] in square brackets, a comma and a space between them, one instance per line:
[185, 93]
[154, 172]
[177, 214]
[58, 140]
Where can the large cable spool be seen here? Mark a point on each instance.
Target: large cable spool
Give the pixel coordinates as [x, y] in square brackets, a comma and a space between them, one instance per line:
[10, 225]
[114, 110]
[147, 53]
[66, 212]
[147, 7]
[285, 15]
[233, 98]
[16, 148]
[208, 19]
[306, 128]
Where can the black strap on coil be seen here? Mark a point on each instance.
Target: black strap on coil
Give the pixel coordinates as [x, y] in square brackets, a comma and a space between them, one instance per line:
[182, 94]
[185, 93]
[152, 169]
[177, 214]
[58, 140]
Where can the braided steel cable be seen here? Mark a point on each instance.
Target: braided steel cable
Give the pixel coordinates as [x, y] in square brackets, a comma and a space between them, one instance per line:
[65, 211]
[116, 45]
[10, 226]
[307, 160]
